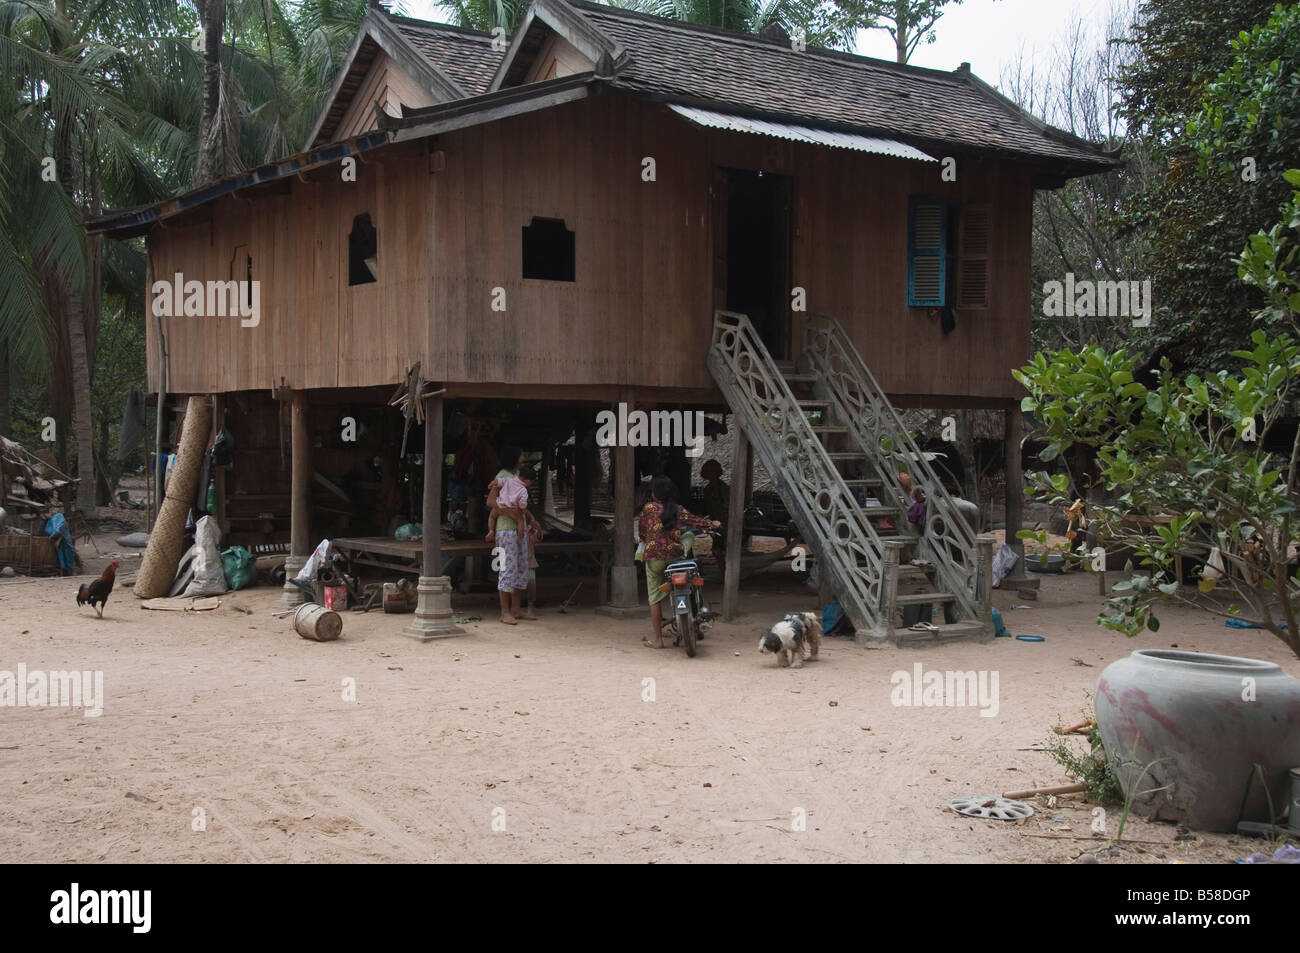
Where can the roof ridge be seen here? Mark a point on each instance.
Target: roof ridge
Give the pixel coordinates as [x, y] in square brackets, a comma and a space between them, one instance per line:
[440, 27]
[752, 39]
[1045, 128]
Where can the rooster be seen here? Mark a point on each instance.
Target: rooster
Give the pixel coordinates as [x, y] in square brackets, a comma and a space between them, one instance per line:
[97, 591]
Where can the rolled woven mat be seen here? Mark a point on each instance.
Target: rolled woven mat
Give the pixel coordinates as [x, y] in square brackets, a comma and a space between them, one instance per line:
[167, 541]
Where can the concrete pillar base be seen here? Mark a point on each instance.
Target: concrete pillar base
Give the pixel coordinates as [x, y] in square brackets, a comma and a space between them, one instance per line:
[1020, 577]
[625, 601]
[292, 596]
[433, 611]
[624, 586]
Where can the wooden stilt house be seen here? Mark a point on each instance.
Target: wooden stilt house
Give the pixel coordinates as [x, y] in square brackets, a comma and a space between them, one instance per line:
[609, 208]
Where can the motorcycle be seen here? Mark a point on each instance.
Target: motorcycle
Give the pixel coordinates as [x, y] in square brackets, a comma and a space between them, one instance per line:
[690, 616]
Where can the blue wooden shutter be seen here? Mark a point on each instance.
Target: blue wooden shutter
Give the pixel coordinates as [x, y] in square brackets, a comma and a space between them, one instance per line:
[927, 252]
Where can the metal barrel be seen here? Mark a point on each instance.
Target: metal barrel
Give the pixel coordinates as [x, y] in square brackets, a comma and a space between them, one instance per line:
[315, 622]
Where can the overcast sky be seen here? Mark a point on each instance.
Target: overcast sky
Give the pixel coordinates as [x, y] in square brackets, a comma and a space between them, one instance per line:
[988, 34]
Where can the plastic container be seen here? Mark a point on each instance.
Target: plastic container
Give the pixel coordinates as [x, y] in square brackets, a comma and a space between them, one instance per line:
[336, 597]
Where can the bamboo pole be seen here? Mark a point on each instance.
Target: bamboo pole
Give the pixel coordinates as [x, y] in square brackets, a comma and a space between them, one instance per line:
[1059, 789]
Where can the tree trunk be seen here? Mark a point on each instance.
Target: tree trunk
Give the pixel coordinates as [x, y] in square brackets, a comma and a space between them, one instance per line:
[212, 131]
[900, 30]
[75, 315]
[6, 418]
[77, 307]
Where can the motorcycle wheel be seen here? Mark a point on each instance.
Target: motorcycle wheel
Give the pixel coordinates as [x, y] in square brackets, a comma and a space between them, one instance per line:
[686, 626]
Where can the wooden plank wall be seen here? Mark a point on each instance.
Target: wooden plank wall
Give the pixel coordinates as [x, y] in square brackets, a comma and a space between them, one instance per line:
[390, 87]
[557, 57]
[639, 313]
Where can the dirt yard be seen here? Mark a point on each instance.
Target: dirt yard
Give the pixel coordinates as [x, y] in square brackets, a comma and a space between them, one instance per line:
[536, 743]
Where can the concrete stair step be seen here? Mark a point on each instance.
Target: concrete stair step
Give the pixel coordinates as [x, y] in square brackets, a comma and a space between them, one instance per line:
[878, 512]
[924, 599]
[965, 631]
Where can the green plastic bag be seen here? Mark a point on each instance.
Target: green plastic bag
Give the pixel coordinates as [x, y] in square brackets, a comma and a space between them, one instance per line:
[237, 563]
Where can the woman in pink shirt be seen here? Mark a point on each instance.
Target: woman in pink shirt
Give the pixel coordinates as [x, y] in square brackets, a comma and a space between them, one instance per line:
[660, 525]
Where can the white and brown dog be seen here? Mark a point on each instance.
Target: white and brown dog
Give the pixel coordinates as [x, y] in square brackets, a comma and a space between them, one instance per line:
[794, 638]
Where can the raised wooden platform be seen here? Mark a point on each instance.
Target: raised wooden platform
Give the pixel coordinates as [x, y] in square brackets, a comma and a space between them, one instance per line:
[407, 555]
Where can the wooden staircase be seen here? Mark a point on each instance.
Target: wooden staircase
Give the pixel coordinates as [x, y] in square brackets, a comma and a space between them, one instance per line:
[834, 446]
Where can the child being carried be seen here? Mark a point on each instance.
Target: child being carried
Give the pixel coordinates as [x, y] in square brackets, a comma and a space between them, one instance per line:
[511, 501]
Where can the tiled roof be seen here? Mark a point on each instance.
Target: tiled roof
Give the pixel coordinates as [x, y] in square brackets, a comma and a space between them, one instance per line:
[740, 70]
[464, 55]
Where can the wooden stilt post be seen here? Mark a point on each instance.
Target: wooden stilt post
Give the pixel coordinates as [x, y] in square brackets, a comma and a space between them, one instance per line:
[432, 516]
[624, 601]
[433, 610]
[299, 499]
[735, 522]
[547, 487]
[825, 591]
[219, 473]
[625, 587]
[582, 468]
[624, 490]
[984, 582]
[1015, 479]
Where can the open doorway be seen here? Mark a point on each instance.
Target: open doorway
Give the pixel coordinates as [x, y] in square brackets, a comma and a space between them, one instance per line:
[752, 252]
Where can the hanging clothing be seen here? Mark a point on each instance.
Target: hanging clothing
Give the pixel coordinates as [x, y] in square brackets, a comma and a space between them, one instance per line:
[57, 529]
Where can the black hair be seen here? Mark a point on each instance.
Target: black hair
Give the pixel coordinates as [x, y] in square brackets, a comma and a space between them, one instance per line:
[665, 491]
[509, 457]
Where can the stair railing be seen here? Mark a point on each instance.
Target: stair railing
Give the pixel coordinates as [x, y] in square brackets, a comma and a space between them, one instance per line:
[826, 512]
[885, 441]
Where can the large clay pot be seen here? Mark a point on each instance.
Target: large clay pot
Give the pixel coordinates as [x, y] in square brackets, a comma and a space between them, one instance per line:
[1206, 720]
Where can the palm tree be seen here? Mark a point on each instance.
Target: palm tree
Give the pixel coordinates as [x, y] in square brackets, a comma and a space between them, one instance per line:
[117, 96]
[68, 146]
[53, 105]
[296, 51]
[487, 15]
[813, 20]
[747, 16]
[268, 69]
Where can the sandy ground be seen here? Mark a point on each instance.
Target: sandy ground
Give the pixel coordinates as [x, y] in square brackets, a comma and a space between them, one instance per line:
[536, 743]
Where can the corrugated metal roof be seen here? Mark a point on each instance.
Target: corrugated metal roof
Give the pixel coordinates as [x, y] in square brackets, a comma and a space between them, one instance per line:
[817, 137]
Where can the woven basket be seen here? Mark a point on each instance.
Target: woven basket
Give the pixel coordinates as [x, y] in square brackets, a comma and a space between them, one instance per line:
[167, 539]
[34, 555]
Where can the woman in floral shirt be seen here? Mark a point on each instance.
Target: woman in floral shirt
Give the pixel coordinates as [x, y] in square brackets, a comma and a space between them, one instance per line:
[660, 525]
